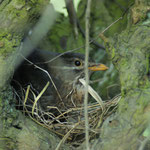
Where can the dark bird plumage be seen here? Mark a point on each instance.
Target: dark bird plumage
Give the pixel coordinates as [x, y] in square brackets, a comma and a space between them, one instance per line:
[65, 72]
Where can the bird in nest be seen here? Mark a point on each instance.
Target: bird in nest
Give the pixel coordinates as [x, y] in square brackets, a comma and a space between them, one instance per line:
[64, 72]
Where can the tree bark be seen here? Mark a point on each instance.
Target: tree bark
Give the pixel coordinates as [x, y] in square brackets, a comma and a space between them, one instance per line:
[129, 52]
[16, 130]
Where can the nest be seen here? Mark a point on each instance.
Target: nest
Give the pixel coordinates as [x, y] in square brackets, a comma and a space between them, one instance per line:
[69, 124]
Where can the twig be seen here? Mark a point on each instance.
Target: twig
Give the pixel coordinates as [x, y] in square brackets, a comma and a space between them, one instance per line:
[26, 95]
[38, 97]
[93, 41]
[87, 16]
[72, 15]
[66, 136]
[75, 22]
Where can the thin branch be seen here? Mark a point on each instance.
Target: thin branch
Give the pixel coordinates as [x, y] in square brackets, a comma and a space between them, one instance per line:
[93, 41]
[75, 22]
[87, 16]
[72, 15]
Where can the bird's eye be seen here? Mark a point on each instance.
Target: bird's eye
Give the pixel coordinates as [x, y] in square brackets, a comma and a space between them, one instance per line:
[78, 63]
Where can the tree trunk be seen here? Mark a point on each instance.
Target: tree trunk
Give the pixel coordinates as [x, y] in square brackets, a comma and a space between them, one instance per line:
[129, 52]
[16, 130]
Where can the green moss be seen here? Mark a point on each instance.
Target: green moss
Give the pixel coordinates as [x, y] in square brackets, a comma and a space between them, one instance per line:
[7, 118]
[13, 17]
[131, 60]
[15, 20]
[9, 45]
[133, 106]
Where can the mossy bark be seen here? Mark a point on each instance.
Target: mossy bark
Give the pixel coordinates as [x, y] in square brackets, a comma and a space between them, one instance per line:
[16, 130]
[15, 18]
[129, 52]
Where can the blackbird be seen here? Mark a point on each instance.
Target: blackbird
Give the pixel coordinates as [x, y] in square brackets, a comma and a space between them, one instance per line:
[64, 91]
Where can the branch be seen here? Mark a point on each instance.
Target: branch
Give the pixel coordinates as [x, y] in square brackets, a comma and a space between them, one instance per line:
[87, 16]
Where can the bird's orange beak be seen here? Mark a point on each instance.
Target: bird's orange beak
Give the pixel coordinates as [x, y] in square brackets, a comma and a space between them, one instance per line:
[98, 67]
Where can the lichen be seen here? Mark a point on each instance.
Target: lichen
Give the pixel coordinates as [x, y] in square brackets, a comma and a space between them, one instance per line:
[16, 17]
[131, 61]
[139, 11]
[131, 57]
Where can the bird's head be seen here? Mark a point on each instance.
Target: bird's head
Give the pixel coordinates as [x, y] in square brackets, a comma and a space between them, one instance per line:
[71, 66]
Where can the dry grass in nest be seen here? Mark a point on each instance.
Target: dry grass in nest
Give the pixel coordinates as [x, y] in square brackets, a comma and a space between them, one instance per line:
[70, 124]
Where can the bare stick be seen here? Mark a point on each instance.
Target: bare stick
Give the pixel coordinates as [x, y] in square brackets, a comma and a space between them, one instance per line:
[87, 16]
